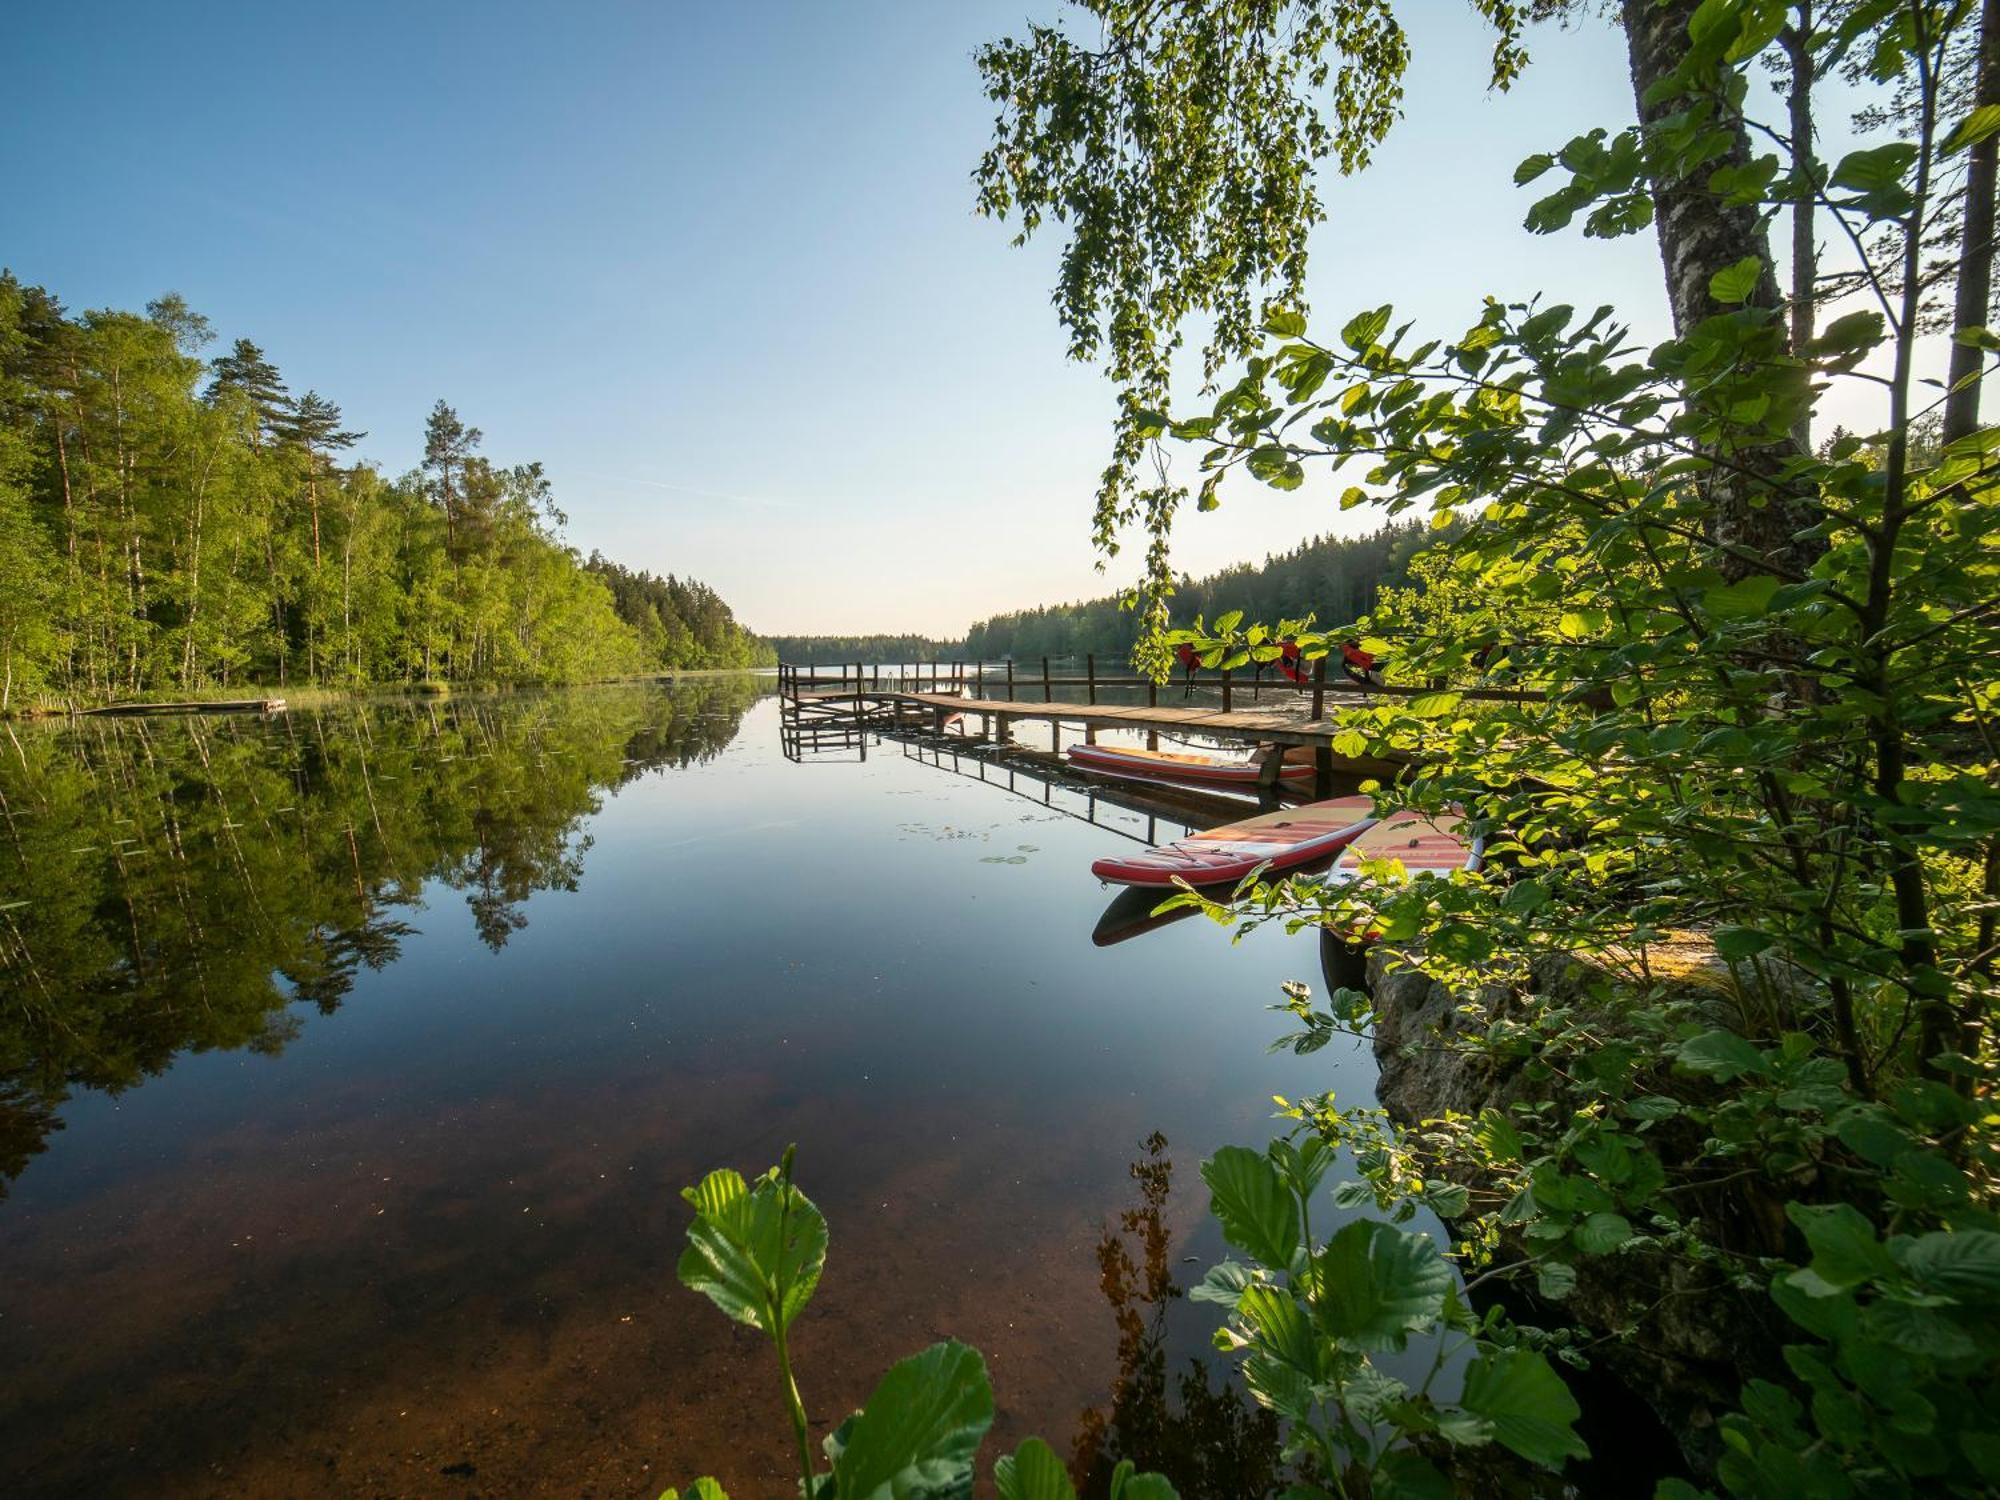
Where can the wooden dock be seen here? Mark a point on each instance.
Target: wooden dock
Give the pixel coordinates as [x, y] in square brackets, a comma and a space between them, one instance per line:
[856, 699]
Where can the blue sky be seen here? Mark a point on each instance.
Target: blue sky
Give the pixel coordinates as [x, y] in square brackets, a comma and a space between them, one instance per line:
[715, 264]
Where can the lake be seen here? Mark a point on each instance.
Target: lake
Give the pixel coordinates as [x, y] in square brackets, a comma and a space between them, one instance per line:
[352, 1061]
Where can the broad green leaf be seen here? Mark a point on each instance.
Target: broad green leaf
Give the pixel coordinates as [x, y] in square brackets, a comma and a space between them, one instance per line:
[1601, 1233]
[1285, 323]
[1375, 1284]
[1974, 128]
[1746, 599]
[1129, 1485]
[702, 1489]
[1258, 1215]
[1404, 1474]
[1738, 944]
[1721, 1055]
[1964, 1265]
[1734, 284]
[920, 1430]
[1845, 1251]
[1364, 329]
[745, 1241]
[1224, 1283]
[1033, 1472]
[1531, 1410]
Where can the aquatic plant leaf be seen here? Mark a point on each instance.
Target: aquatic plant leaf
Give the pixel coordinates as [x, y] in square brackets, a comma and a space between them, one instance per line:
[1258, 1216]
[1033, 1472]
[747, 1242]
[920, 1430]
[1529, 1407]
[1375, 1284]
[1965, 1265]
[1406, 1475]
[1129, 1485]
[702, 1489]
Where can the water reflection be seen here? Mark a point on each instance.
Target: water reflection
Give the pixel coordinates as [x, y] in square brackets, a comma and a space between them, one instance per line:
[173, 886]
[1206, 1436]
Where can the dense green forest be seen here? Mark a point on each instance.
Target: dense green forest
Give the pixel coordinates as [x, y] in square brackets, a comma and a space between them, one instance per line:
[680, 623]
[172, 522]
[1336, 579]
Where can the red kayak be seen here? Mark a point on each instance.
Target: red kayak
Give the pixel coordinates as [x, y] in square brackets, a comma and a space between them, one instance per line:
[1285, 840]
[1169, 765]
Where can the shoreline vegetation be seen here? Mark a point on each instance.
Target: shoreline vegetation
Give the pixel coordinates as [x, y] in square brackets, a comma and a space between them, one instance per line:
[321, 696]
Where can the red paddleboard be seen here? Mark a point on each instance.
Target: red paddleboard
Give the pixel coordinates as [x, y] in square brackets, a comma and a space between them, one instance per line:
[1425, 844]
[1282, 840]
[1169, 765]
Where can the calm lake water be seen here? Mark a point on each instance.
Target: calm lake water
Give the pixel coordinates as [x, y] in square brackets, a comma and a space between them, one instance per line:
[351, 1063]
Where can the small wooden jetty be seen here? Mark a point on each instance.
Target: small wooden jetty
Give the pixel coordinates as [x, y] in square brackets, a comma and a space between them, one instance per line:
[195, 706]
[838, 702]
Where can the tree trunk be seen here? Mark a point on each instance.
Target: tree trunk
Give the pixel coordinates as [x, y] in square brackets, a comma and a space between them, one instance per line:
[1797, 42]
[1975, 254]
[1753, 521]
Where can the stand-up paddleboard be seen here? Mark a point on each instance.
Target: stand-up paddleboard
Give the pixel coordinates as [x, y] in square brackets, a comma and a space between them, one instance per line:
[1284, 840]
[1424, 843]
[1172, 765]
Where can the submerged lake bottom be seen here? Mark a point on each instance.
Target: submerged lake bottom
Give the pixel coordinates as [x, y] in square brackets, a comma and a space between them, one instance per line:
[352, 1062]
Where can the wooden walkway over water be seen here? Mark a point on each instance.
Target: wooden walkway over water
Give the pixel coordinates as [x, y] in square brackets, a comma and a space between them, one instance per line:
[824, 705]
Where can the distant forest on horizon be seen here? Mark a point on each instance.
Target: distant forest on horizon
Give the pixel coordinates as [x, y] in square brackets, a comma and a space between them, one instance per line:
[1335, 579]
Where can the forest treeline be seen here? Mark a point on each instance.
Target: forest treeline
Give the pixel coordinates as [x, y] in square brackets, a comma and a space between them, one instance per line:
[811, 650]
[171, 521]
[1336, 579]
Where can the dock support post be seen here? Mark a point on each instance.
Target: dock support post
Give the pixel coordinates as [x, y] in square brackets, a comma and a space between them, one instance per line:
[1010, 679]
[980, 668]
[1048, 693]
[1225, 690]
[1319, 689]
[1152, 701]
[1322, 771]
[1090, 669]
[1055, 736]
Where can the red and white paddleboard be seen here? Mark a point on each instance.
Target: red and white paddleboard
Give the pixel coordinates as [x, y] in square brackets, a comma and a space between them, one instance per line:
[1424, 844]
[1170, 765]
[1284, 840]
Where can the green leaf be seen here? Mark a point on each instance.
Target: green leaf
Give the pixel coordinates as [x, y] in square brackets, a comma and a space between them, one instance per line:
[1974, 128]
[1276, 467]
[1224, 1284]
[1739, 944]
[1533, 167]
[1285, 323]
[745, 1240]
[1845, 1251]
[1033, 1472]
[1876, 177]
[702, 1489]
[1601, 1233]
[1126, 1485]
[1721, 1055]
[1258, 1215]
[1531, 1410]
[1364, 329]
[1746, 599]
[1964, 1265]
[1375, 1284]
[920, 1430]
[1404, 1474]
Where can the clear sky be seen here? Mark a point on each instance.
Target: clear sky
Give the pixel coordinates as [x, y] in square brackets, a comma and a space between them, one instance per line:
[715, 264]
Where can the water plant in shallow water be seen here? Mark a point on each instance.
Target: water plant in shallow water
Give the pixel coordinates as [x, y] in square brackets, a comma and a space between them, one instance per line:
[756, 1250]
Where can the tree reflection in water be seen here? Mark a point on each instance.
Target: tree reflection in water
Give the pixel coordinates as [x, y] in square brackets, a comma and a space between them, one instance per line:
[177, 885]
[1210, 1440]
